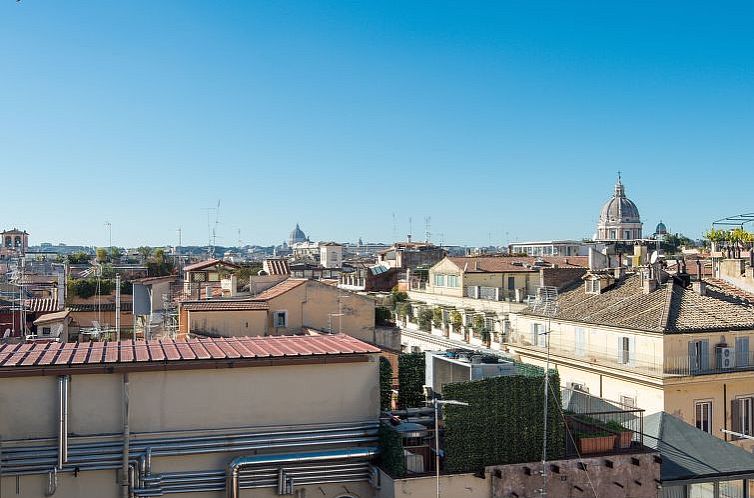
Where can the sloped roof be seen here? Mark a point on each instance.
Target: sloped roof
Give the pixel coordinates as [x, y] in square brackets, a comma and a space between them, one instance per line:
[201, 265]
[669, 308]
[222, 305]
[280, 289]
[107, 356]
[276, 266]
[52, 317]
[510, 264]
[690, 453]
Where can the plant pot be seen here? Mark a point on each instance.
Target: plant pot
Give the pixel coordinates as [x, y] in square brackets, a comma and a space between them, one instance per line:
[597, 444]
[624, 439]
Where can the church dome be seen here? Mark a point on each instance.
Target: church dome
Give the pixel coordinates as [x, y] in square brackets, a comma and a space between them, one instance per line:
[619, 209]
[661, 229]
[297, 235]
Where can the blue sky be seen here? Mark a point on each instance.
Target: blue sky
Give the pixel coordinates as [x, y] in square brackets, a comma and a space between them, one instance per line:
[500, 120]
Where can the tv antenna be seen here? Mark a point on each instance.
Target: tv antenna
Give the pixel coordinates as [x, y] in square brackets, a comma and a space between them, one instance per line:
[427, 227]
[546, 303]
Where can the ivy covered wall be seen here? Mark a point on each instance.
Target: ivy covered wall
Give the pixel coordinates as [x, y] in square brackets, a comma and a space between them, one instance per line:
[411, 380]
[503, 423]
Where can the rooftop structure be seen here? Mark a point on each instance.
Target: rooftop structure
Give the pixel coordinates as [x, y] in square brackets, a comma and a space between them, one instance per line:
[619, 218]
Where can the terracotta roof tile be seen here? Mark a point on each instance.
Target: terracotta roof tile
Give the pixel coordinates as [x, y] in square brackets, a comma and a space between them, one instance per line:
[280, 289]
[223, 305]
[201, 265]
[33, 356]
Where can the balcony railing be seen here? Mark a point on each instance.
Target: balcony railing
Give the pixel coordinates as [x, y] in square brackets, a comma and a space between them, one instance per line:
[641, 363]
[489, 293]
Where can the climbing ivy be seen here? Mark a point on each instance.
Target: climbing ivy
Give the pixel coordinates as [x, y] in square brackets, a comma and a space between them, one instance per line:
[503, 423]
[410, 380]
[391, 458]
[386, 383]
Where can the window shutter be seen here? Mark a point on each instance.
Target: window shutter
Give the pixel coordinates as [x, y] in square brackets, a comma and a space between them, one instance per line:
[632, 351]
[619, 351]
[742, 351]
[533, 334]
[735, 417]
[705, 355]
[692, 357]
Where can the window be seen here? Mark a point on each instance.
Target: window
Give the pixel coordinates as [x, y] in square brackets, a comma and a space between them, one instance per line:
[580, 348]
[698, 356]
[439, 280]
[538, 336]
[593, 286]
[742, 351]
[453, 281]
[511, 283]
[626, 350]
[46, 331]
[280, 319]
[703, 417]
[628, 401]
[742, 410]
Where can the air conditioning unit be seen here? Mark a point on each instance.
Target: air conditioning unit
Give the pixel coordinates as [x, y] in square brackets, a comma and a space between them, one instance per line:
[726, 357]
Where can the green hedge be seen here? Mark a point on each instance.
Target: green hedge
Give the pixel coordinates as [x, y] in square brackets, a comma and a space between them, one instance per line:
[386, 383]
[391, 458]
[410, 380]
[503, 423]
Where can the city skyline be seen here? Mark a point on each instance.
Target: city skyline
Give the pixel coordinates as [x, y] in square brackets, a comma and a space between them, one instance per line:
[491, 119]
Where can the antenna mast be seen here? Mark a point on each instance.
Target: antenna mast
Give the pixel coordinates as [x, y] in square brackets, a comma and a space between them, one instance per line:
[546, 303]
[427, 227]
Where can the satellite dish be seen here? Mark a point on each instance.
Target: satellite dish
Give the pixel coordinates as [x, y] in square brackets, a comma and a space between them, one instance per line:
[653, 257]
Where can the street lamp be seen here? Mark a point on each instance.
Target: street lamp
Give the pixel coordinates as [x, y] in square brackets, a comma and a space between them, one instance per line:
[437, 402]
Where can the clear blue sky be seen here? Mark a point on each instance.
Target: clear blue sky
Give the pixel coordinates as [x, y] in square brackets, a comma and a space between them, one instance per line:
[492, 118]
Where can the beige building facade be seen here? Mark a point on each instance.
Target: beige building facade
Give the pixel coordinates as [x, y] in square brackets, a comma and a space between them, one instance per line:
[187, 409]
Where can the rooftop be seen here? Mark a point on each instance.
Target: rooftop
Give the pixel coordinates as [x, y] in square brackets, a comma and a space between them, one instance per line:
[510, 264]
[201, 265]
[223, 305]
[669, 308]
[280, 289]
[55, 358]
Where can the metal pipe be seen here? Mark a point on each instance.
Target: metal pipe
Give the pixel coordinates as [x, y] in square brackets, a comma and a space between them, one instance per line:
[66, 382]
[126, 439]
[235, 466]
[62, 413]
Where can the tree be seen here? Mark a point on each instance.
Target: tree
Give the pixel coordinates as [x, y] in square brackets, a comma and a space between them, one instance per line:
[425, 319]
[77, 258]
[144, 252]
[437, 317]
[115, 254]
[456, 320]
[101, 254]
[480, 329]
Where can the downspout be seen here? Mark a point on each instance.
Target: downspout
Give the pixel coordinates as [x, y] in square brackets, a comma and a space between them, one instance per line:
[238, 464]
[126, 440]
[62, 421]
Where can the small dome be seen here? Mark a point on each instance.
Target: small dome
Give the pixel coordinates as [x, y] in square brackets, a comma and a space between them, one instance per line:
[619, 209]
[661, 229]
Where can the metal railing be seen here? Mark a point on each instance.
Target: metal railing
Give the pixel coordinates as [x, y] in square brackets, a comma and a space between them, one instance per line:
[599, 426]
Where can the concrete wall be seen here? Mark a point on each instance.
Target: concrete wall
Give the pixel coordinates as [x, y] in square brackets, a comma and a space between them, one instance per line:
[197, 400]
[194, 399]
[229, 323]
[454, 485]
[633, 476]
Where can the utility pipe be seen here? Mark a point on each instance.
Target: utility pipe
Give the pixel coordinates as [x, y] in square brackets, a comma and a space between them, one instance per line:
[237, 464]
[126, 440]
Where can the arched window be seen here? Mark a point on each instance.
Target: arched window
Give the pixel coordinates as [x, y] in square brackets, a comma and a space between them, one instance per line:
[8, 241]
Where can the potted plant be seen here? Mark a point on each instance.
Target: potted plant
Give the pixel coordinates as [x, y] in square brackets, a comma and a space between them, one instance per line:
[590, 443]
[625, 436]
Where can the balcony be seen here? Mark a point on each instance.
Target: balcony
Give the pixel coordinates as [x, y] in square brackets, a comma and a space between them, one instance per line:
[489, 293]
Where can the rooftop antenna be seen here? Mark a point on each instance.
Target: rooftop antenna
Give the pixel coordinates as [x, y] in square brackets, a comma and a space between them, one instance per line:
[410, 227]
[427, 227]
[395, 228]
[546, 303]
[239, 239]
[214, 229]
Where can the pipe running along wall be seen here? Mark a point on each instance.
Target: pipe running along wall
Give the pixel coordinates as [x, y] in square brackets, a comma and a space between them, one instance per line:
[26, 458]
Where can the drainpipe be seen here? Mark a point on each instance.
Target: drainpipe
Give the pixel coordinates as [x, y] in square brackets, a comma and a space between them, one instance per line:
[238, 464]
[62, 421]
[126, 440]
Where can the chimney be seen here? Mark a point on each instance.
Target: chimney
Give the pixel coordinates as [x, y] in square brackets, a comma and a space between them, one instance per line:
[700, 287]
[619, 273]
[648, 280]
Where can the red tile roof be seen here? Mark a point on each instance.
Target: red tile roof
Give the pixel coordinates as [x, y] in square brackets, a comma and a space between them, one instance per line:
[46, 304]
[98, 357]
[221, 305]
[280, 289]
[276, 266]
[208, 264]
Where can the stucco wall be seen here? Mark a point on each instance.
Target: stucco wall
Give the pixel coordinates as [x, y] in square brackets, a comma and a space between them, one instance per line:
[454, 485]
[202, 399]
[229, 323]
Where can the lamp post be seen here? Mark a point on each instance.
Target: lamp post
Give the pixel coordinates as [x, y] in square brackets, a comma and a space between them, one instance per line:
[437, 402]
